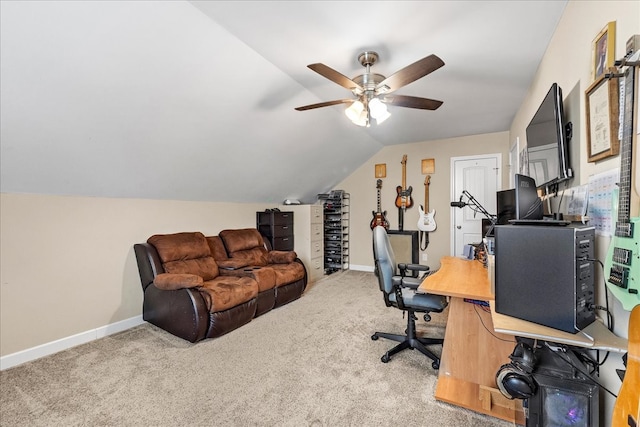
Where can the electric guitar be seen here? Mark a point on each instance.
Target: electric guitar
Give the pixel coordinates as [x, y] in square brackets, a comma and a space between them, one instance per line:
[404, 200]
[426, 222]
[626, 410]
[622, 265]
[379, 217]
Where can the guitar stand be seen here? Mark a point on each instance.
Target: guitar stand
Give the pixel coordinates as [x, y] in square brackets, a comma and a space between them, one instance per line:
[401, 219]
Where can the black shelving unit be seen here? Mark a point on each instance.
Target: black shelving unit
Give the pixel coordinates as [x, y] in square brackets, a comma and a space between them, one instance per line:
[336, 230]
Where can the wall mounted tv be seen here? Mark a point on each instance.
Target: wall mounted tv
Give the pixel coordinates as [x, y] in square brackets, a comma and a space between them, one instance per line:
[548, 139]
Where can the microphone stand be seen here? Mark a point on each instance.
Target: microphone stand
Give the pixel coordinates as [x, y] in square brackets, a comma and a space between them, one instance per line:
[477, 207]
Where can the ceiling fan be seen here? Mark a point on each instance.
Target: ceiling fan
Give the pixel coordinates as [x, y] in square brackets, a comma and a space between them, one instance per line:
[373, 91]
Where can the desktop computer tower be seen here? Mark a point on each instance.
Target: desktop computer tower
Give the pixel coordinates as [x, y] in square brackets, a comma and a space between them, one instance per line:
[545, 274]
[565, 394]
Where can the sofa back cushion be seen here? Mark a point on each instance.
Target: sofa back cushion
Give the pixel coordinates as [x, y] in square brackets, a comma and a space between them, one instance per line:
[245, 243]
[218, 251]
[185, 253]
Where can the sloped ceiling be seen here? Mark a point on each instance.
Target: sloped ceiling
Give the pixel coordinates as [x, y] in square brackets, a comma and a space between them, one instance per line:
[195, 100]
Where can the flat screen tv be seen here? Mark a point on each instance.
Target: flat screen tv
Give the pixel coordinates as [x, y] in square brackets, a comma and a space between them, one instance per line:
[548, 141]
[528, 203]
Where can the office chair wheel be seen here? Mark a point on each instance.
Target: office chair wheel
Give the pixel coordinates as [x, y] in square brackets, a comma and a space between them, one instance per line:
[385, 358]
[374, 337]
[427, 318]
[435, 365]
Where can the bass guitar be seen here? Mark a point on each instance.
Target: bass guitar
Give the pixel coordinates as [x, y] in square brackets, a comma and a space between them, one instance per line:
[426, 222]
[626, 410]
[379, 217]
[622, 265]
[403, 199]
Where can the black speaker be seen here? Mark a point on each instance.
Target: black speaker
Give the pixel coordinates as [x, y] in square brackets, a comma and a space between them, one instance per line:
[545, 274]
[514, 379]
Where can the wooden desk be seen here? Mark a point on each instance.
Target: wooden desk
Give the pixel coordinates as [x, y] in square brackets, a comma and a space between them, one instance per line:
[472, 352]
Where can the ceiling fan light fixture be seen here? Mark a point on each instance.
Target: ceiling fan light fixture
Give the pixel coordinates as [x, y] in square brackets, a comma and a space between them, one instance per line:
[362, 119]
[371, 89]
[354, 111]
[383, 117]
[378, 110]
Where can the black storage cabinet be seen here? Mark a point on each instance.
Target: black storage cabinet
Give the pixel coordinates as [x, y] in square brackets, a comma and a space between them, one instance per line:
[277, 229]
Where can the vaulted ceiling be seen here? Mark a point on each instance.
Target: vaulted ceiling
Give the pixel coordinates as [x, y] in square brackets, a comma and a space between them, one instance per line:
[194, 100]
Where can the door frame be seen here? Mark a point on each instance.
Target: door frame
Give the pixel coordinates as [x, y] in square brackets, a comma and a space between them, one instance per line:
[455, 197]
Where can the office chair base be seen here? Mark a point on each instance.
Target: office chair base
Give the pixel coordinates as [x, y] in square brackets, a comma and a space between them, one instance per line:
[410, 341]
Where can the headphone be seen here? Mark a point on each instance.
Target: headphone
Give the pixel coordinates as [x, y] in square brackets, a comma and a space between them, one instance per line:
[514, 379]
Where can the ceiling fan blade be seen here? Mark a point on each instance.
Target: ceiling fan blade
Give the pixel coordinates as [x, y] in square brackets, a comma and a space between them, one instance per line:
[325, 104]
[412, 102]
[410, 73]
[335, 76]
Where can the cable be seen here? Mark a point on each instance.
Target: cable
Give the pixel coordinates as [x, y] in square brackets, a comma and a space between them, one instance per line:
[475, 307]
[562, 196]
[599, 307]
[580, 370]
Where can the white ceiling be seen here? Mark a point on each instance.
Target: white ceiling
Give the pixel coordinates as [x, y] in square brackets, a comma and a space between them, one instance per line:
[195, 100]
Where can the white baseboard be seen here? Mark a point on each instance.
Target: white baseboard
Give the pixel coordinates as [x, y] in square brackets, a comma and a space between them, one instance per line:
[367, 268]
[37, 352]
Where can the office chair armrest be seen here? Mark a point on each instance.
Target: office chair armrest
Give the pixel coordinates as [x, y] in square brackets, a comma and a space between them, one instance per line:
[403, 267]
[411, 282]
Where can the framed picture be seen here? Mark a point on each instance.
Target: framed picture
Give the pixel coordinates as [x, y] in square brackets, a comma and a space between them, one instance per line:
[603, 50]
[602, 119]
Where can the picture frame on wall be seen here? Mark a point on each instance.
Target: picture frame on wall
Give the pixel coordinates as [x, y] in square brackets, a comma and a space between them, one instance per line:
[603, 50]
[601, 100]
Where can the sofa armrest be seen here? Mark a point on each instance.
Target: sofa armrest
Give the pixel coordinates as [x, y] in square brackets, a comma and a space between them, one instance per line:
[281, 257]
[182, 312]
[149, 264]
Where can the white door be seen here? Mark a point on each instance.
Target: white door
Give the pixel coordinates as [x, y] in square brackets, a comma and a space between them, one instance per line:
[479, 176]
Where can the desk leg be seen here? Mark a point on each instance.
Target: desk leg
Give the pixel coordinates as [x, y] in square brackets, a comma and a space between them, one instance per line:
[471, 356]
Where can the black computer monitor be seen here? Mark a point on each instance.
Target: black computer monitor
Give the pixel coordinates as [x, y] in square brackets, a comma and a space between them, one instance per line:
[528, 203]
[506, 206]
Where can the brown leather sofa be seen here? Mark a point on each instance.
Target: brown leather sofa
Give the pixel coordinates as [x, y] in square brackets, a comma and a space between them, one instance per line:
[188, 293]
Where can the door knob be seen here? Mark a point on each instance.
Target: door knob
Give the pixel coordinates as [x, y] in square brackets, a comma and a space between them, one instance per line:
[459, 227]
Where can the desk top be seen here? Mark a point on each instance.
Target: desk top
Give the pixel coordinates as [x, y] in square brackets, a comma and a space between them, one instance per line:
[459, 277]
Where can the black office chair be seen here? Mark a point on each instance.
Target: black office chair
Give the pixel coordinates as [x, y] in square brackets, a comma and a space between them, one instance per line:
[400, 292]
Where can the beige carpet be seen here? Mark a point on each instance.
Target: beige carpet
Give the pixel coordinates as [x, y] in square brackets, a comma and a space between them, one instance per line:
[309, 363]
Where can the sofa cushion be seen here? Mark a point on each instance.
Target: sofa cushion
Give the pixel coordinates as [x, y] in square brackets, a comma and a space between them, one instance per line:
[180, 246]
[205, 267]
[185, 253]
[225, 292]
[217, 249]
[245, 244]
[241, 239]
[171, 282]
[287, 273]
[255, 256]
